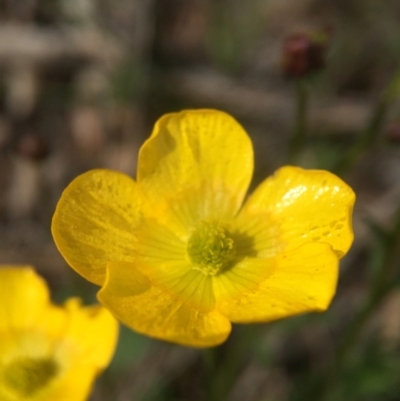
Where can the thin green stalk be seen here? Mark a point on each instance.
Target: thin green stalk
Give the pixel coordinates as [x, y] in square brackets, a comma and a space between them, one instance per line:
[300, 132]
[371, 133]
[381, 286]
[221, 369]
[210, 360]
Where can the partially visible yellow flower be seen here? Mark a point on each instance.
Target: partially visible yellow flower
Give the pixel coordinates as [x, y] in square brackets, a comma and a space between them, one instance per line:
[177, 254]
[49, 353]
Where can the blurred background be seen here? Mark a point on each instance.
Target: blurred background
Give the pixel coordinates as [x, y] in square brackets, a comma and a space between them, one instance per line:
[82, 83]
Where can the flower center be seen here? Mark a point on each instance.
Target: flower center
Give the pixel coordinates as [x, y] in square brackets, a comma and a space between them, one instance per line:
[210, 248]
[26, 376]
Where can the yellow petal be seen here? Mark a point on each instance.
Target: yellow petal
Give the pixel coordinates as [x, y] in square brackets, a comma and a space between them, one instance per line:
[85, 349]
[25, 302]
[297, 206]
[94, 222]
[196, 165]
[156, 244]
[76, 385]
[298, 281]
[91, 336]
[177, 307]
[19, 347]
[79, 341]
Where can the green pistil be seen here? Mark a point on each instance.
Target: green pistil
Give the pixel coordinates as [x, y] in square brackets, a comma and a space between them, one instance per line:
[210, 248]
[26, 376]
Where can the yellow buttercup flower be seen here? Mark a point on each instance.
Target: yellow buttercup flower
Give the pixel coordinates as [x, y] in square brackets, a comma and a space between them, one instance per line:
[49, 353]
[176, 253]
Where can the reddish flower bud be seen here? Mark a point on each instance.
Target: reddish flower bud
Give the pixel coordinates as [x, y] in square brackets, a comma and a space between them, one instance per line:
[304, 54]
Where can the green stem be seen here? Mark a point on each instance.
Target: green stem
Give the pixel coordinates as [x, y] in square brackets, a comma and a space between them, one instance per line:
[381, 286]
[221, 369]
[210, 370]
[371, 133]
[298, 138]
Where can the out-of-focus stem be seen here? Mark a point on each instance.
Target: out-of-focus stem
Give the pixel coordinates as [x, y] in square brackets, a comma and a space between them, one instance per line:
[221, 369]
[381, 285]
[300, 132]
[210, 368]
[371, 133]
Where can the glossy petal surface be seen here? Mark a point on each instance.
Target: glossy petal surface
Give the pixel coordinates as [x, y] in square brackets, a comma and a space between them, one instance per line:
[295, 282]
[94, 222]
[178, 256]
[301, 206]
[196, 165]
[178, 307]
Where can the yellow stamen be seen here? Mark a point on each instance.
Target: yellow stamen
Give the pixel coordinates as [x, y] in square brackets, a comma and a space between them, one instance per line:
[210, 249]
